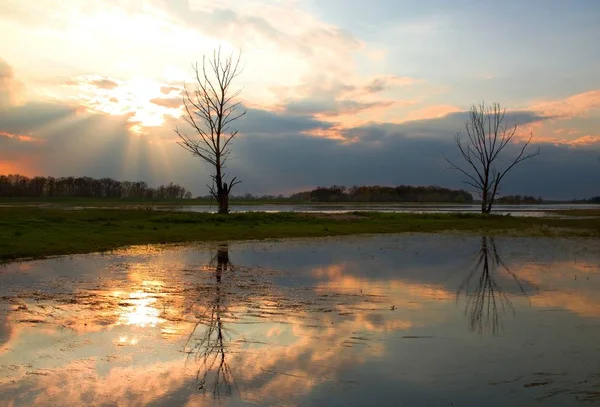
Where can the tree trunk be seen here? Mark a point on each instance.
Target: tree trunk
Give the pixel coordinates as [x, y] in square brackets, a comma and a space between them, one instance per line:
[223, 202]
[484, 202]
[222, 195]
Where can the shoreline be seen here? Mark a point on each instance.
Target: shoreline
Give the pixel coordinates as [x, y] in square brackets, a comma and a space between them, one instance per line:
[35, 232]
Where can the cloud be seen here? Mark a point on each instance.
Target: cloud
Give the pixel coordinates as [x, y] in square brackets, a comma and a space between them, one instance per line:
[95, 81]
[172, 103]
[332, 108]
[302, 142]
[432, 112]
[278, 151]
[264, 122]
[104, 83]
[343, 103]
[166, 89]
[583, 141]
[11, 90]
[282, 24]
[574, 106]
[18, 137]
[96, 144]
[383, 83]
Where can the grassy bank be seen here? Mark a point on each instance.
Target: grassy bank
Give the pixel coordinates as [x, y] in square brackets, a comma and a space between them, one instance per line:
[579, 212]
[37, 232]
[66, 202]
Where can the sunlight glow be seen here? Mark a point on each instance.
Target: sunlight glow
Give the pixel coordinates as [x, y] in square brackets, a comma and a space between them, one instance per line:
[135, 98]
[125, 340]
[142, 313]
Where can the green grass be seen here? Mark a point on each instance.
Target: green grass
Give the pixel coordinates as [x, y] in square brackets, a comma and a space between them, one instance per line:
[34, 232]
[579, 212]
[136, 202]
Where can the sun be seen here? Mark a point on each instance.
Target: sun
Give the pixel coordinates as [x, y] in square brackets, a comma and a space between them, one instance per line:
[138, 97]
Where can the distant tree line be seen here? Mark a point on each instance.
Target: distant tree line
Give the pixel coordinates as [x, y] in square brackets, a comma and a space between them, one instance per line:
[519, 199]
[376, 193]
[592, 200]
[19, 186]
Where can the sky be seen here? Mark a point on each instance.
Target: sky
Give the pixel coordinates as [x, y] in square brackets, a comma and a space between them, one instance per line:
[337, 92]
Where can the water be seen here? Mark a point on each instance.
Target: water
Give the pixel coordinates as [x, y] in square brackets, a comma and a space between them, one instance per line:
[395, 320]
[514, 210]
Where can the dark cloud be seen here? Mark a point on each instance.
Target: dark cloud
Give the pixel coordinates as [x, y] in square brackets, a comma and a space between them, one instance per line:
[274, 154]
[330, 107]
[264, 122]
[267, 164]
[70, 141]
[34, 116]
[257, 121]
[455, 122]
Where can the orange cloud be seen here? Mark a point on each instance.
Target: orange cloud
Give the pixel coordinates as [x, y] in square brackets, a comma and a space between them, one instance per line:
[166, 89]
[574, 106]
[583, 141]
[432, 112]
[19, 137]
[172, 103]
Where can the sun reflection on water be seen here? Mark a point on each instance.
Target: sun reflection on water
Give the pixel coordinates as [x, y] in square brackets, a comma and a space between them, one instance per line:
[125, 340]
[139, 310]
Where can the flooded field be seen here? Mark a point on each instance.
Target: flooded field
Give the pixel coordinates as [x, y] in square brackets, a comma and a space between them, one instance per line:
[499, 209]
[395, 320]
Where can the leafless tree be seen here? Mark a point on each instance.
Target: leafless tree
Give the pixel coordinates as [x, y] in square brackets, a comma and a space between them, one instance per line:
[488, 135]
[487, 301]
[211, 107]
[210, 346]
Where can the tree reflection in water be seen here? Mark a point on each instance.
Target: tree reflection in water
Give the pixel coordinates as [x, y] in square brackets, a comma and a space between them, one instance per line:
[210, 346]
[487, 301]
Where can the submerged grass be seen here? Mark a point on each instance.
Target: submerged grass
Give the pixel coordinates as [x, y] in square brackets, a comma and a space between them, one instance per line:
[34, 232]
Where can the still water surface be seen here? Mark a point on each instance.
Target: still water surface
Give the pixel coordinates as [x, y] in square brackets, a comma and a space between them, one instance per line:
[513, 210]
[397, 320]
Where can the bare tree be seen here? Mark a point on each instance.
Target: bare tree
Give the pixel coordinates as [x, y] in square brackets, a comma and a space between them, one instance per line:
[212, 345]
[487, 137]
[487, 301]
[210, 109]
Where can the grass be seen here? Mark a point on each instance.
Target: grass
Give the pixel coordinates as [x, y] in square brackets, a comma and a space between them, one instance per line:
[578, 212]
[136, 202]
[36, 232]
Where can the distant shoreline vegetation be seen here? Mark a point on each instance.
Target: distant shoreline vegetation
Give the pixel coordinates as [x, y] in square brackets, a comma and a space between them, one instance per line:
[15, 187]
[20, 186]
[401, 193]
